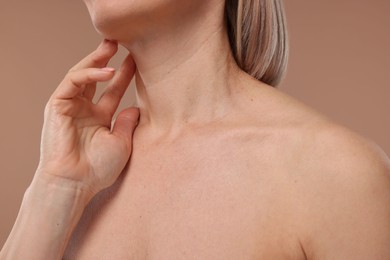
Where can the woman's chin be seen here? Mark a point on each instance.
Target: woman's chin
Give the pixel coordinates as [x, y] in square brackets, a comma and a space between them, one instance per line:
[106, 27]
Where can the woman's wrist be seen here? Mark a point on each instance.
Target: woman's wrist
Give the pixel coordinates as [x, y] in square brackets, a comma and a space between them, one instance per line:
[59, 186]
[51, 208]
[52, 192]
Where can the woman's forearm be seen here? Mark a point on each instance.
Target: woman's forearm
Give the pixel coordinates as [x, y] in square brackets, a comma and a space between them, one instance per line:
[49, 212]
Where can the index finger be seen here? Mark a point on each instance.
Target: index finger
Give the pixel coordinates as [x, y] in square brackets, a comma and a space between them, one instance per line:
[98, 58]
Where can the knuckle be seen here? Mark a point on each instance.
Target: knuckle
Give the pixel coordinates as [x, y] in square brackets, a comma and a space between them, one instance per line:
[57, 107]
[68, 81]
[71, 69]
[70, 74]
[50, 108]
[89, 76]
[74, 67]
[50, 105]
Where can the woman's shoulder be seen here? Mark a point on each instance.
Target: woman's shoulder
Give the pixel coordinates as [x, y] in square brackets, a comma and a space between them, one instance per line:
[314, 144]
[342, 179]
[316, 133]
[344, 191]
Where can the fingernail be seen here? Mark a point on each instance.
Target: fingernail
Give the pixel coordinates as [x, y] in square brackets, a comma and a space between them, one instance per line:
[108, 69]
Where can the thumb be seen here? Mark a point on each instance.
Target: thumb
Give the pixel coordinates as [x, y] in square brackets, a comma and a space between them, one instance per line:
[125, 123]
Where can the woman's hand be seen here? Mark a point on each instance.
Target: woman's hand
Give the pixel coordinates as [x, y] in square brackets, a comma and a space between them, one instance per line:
[77, 143]
[79, 156]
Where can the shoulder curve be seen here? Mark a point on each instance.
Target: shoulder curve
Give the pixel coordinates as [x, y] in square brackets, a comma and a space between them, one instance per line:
[348, 196]
[321, 140]
[347, 149]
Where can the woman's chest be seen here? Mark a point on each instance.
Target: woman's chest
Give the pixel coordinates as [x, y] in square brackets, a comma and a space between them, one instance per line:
[174, 206]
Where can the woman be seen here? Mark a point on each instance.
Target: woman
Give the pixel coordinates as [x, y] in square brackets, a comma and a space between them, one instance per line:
[222, 166]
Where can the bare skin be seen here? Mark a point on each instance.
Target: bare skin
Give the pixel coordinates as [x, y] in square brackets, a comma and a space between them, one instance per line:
[241, 188]
[222, 166]
[221, 191]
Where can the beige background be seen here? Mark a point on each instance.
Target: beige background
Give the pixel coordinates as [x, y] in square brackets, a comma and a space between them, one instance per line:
[339, 64]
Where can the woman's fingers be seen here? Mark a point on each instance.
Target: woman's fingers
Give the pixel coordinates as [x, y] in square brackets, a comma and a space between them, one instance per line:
[99, 58]
[87, 72]
[112, 96]
[75, 81]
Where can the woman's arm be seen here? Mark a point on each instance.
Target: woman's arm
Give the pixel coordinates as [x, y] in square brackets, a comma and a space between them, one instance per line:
[81, 154]
[49, 212]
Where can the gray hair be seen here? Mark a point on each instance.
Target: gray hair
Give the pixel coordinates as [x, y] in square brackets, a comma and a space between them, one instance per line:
[258, 36]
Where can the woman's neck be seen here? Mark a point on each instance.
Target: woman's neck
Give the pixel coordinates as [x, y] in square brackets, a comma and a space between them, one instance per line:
[184, 78]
